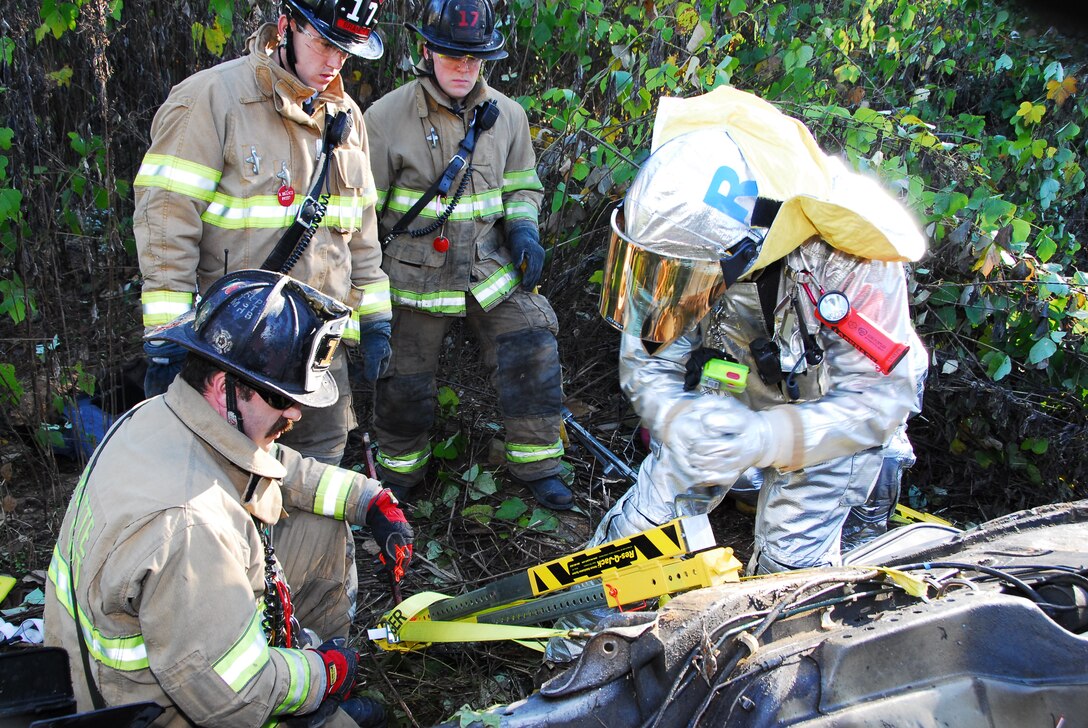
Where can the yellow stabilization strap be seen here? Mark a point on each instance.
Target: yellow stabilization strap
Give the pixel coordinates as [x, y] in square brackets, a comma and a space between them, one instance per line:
[408, 627]
[904, 514]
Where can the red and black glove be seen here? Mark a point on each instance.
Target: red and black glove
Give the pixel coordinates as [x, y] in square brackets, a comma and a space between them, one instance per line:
[341, 665]
[391, 532]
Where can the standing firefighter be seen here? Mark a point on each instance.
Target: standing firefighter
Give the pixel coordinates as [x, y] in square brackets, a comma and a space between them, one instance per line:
[456, 176]
[761, 289]
[263, 162]
[164, 559]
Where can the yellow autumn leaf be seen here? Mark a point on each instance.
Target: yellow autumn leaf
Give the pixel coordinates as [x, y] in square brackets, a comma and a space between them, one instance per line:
[1059, 91]
[1031, 113]
[988, 260]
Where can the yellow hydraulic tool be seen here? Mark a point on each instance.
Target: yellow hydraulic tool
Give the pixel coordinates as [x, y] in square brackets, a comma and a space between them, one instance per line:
[675, 557]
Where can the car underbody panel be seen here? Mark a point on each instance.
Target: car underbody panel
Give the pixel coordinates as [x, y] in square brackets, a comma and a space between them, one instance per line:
[996, 636]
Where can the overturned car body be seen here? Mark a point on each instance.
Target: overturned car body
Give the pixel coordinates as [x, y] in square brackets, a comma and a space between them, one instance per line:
[987, 627]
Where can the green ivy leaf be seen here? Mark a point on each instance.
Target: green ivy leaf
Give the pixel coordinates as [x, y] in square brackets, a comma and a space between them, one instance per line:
[447, 400]
[479, 512]
[62, 77]
[10, 389]
[1037, 445]
[1042, 350]
[511, 509]
[483, 485]
[466, 716]
[11, 200]
[448, 449]
[57, 18]
[1045, 247]
[998, 365]
[540, 520]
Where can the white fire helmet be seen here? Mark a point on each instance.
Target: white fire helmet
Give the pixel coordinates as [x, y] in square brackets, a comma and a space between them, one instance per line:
[684, 233]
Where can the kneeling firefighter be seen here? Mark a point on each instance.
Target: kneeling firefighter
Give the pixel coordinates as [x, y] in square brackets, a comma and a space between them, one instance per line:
[762, 294]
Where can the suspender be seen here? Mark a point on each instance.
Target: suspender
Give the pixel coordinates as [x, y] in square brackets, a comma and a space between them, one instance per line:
[483, 118]
[312, 208]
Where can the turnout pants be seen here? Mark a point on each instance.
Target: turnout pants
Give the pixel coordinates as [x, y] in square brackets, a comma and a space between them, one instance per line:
[517, 342]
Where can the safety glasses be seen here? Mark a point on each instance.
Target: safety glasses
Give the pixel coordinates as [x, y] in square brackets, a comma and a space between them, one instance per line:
[465, 61]
[322, 46]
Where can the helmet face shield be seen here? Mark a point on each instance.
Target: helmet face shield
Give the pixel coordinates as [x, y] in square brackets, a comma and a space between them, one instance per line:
[683, 220]
[656, 292]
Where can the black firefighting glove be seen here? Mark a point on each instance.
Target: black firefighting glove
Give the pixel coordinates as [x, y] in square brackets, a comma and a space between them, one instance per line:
[523, 240]
[374, 344]
[391, 531]
[164, 360]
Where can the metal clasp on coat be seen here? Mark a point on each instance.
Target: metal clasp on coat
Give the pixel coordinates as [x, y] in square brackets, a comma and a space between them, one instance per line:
[307, 212]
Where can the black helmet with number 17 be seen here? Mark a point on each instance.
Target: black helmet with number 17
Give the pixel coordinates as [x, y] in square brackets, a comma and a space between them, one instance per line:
[347, 24]
[461, 28]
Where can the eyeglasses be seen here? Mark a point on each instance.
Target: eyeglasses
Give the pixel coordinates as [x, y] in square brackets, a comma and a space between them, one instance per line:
[465, 61]
[275, 400]
[322, 46]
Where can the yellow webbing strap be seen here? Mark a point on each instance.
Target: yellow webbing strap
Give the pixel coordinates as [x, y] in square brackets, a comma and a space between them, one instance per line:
[408, 627]
[904, 514]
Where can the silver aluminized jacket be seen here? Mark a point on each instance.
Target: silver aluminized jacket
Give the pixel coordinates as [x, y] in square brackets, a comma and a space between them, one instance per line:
[828, 444]
[503, 186]
[223, 143]
[169, 568]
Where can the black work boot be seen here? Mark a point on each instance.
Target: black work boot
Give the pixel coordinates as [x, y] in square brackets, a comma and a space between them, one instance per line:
[403, 493]
[549, 491]
[366, 713]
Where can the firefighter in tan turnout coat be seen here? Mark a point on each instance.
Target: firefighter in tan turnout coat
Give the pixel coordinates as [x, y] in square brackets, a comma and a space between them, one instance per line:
[470, 248]
[233, 159]
[164, 552]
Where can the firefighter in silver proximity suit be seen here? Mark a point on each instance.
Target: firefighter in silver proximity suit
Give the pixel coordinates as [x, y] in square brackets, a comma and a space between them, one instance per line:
[739, 254]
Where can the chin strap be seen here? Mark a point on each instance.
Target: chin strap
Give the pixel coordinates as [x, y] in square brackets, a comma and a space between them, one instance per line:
[287, 50]
[234, 416]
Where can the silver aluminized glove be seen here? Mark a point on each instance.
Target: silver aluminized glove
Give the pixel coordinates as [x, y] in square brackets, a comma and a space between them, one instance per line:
[713, 439]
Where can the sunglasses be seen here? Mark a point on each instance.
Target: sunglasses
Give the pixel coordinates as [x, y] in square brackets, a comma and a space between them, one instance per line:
[275, 400]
